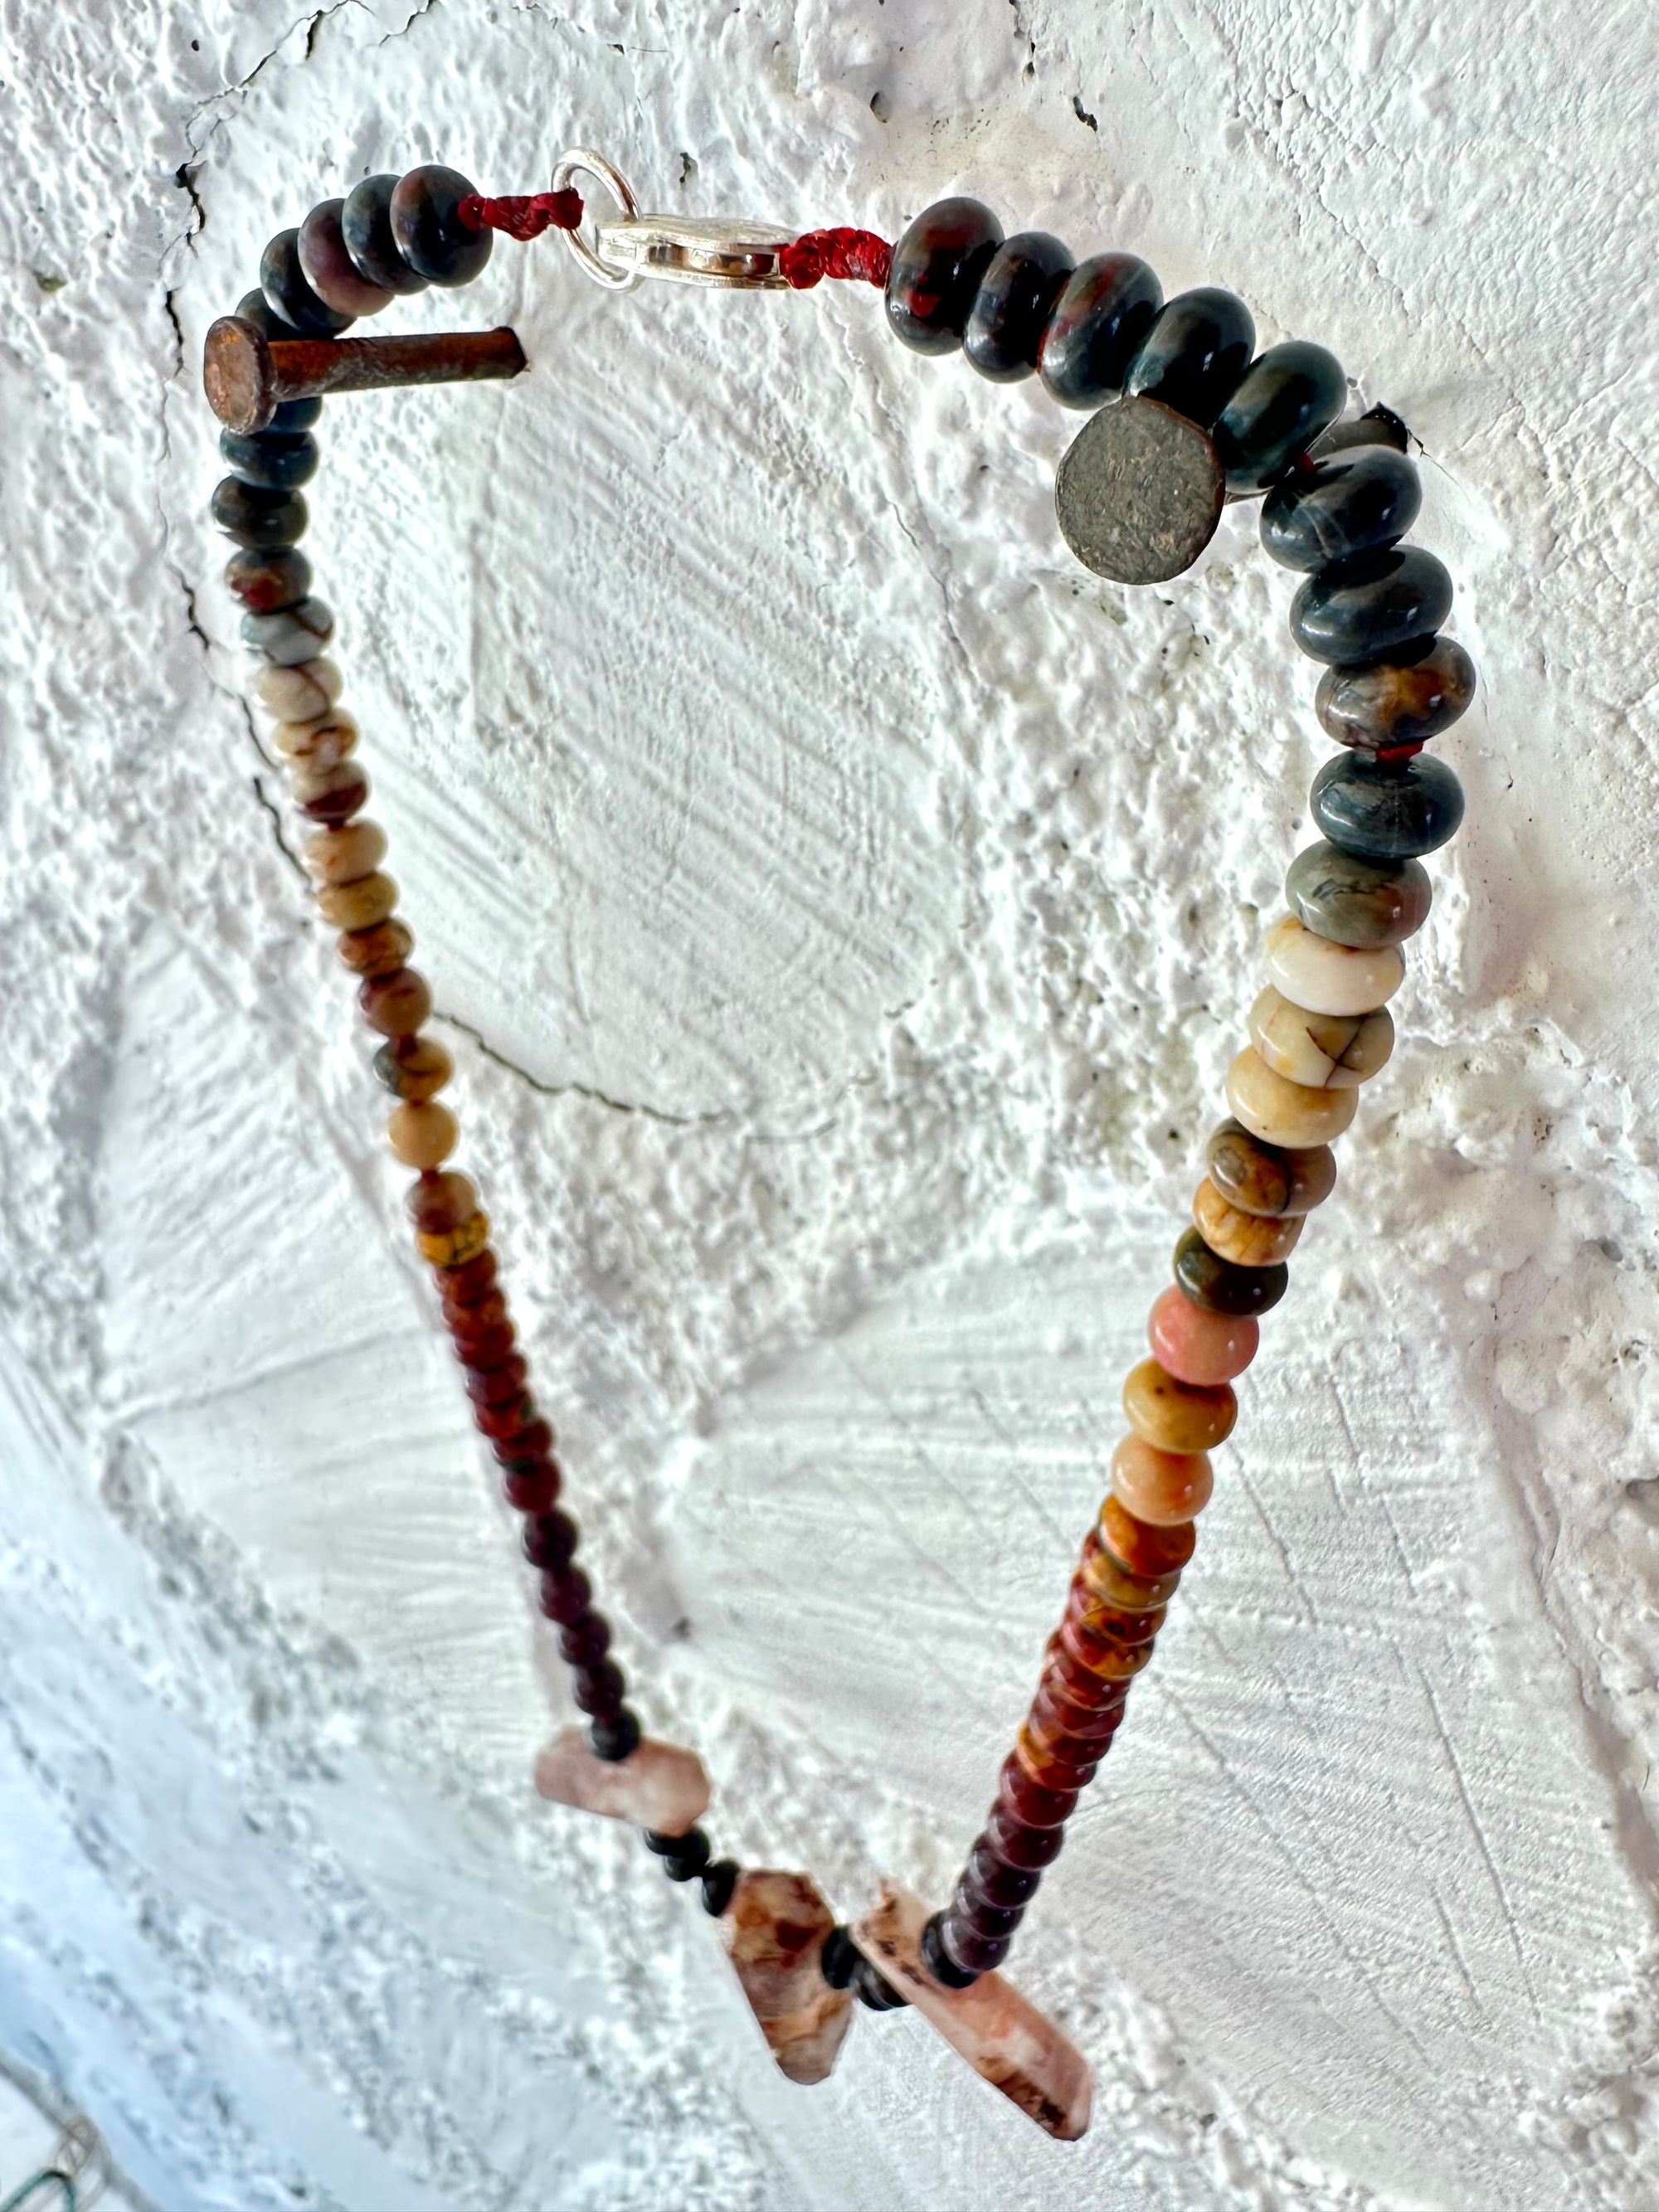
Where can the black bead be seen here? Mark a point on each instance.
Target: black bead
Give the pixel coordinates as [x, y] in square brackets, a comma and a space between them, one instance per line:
[719, 1881]
[1012, 306]
[1370, 605]
[263, 521]
[283, 283]
[616, 1738]
[683, 1857]
[585, 1640]
[838, 1961]
[366, 228]
[939, 1965]
[1356, 501]
[1285, 399]
[254, 308]
[936, 269]
[1387, 810]
[293, 415]
[1377, 426]
[1195, 353]
[875, 1990]
[1220, 1287]
[275, 460]
[549, 1540]
[429, 230]
[599, 1689]
[1096, 327]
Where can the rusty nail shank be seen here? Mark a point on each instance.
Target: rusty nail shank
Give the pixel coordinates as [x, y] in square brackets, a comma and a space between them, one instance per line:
[248, 376]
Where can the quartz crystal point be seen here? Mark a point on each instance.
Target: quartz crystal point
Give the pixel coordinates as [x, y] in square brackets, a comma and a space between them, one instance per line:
[657, 1786]
[1001, 2036]
[774, 1930]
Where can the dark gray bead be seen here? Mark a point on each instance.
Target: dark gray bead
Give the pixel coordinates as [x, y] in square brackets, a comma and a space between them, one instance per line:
[276, 460]
[254, 308]
[1285, 399]
[1095, 328]
[936, 269]
[1005, 323]
[1195, 354]
[1139, 493]
[1356, 501]
[263, 521]
[1387, 810]
[1220, 1285]
[1377, 426]
[428, 229]
[1371, 606]
[283, 283]
[294, 635]
[366, 230]
[1385, 704]
[1354, 901]
[294, 415]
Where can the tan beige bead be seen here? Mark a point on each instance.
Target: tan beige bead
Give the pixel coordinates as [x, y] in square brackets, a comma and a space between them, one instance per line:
[1163, 1487]
[360, 905]
[330, 739]
[302, 694]
[422, 1136]
[1327, 1052]
[1328, 978]
[1284, 1113]
[1248, 1240]
[1177, 1417]
[341, 856]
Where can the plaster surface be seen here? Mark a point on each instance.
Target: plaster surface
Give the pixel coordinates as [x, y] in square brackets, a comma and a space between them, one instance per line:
[842, 908]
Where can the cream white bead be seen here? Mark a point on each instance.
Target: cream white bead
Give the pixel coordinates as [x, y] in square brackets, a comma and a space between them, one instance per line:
[1328, 978]
[300, 695]
[1326, 1052]
[1280, 1112]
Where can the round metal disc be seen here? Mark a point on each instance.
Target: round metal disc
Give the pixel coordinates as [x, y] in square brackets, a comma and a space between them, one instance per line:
[1139, 493]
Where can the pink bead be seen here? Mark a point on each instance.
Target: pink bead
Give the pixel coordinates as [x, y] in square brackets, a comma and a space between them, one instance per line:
[1195, 1347]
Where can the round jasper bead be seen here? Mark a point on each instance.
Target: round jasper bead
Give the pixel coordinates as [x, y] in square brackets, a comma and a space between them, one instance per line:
[1175, 1416]
[396, 1005]
[485, 1309]
[428, 230]
[1011, 307]
[441, 1202]
[1195, 354]
[1284, 1113]
[447, 1248]
[266, 582]
[1219, 1285]
[300, 694]
[997, 1879]
[549, 1540]
[529, 1448]
[263, 521]
[501, 1383]
[935, 272]
[1285, 399]
[365, 234]
[461, 1286]
[332, 275]
[1142, 1551]
[485, 1347]
[1387, 810]
[1020, 1844]
[1270, 1179]
[504, 1423]
[1096, 326]
[1198, 1346]
[359, 905]
[1248, 1240]
[1370, 605]
[341, 856]
[1328, 978]
[1350, 502]
[422, 1136]
[1388, 704]
[271, 459]
[415, 1068]
[292, 635]
[329, 738]
[565, 1596]
[1357, 903]
[1113, 1585]
[376, 952]
[330, 794]
[534, 1488]
[1161, 1487]
[283, 283]
[1330, 1052]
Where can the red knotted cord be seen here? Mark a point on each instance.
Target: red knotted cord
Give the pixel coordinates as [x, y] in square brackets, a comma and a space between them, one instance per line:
[855, 256]
[523, 216]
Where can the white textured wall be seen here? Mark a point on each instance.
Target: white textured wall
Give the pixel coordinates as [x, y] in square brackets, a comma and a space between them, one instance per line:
[854, 905]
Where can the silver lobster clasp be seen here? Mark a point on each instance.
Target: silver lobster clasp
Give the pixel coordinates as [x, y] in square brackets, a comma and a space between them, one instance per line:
[731, 255]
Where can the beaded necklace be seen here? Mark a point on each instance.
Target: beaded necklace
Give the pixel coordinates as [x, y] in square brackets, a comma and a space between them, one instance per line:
[1183, 414]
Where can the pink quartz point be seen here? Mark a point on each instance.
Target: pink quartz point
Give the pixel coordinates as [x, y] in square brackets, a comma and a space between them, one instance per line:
[657, 1786]
[774, 1928]
[1002, 2037]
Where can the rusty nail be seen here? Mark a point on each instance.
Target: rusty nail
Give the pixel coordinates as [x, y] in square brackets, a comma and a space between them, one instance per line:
[248, 376]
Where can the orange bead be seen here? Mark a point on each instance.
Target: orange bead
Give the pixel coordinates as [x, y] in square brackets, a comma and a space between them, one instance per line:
[1177, 1417]
[1248, 1240]
[422, 1136]
[1163, 1487]
[1139, 1548]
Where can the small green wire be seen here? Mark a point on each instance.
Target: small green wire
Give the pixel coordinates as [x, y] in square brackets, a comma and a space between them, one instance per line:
[49, 2177]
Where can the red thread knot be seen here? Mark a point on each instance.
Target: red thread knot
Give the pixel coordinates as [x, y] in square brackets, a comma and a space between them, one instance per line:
[525, 215]
[858, 256]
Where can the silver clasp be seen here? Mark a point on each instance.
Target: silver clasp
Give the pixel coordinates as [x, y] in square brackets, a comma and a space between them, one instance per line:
[731, 255]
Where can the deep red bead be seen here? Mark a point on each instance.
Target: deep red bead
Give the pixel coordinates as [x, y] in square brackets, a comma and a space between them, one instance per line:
[998, 1879]
[967, 1906]
[471, 1279]
[534, 1440]
[505, 1424]
[1018, 1843]
[532, 1486]
[494, 1384]
[973, 1953]
[549, 1540]
[466, 1316]
[566, 1596]
[599, 1689]
[586, 1640]
[1040, 1807]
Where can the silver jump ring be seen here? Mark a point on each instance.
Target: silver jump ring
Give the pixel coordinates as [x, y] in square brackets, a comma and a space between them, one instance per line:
[581, 160]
